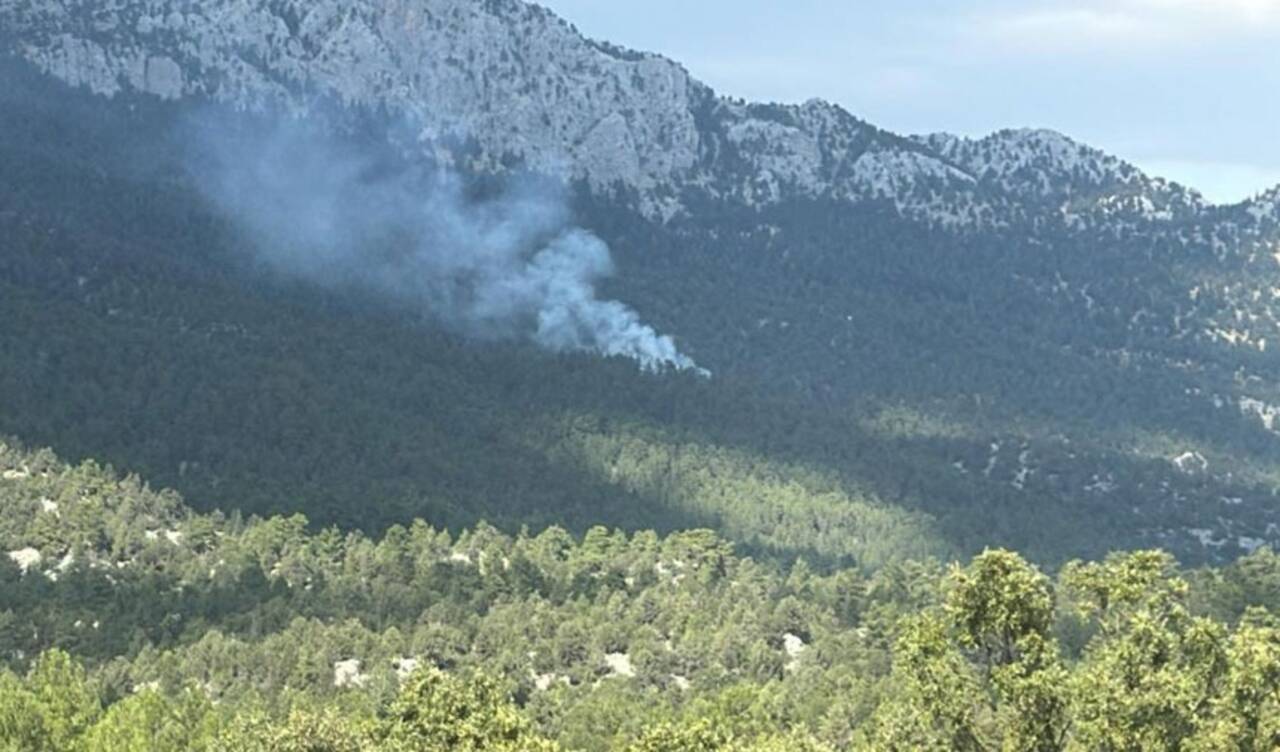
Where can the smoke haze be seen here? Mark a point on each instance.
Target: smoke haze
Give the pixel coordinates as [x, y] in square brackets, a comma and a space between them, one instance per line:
[342, 216]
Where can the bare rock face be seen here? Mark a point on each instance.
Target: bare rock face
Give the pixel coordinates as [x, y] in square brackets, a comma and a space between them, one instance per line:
[507, 76]
[25, 558]
[1050, 169]
[163, 77]
[517, 84]
[620, 664]
[347, 674]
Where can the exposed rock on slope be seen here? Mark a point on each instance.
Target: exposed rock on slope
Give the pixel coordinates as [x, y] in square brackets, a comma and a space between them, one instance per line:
[514, 81]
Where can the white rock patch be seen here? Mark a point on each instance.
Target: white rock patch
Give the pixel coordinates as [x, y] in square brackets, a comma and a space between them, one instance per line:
[1102, 485]
[25, 558]
[794, 646]
[1206, 538]
[620, 664]
[1269, 415]
[1250, 544]
[1191, 462]
[347, 674]
[992, 460]
[543, 682]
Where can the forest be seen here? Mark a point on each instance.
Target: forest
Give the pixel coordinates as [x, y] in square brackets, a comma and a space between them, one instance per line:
[131, 622]
[921, 424]
[918, 505]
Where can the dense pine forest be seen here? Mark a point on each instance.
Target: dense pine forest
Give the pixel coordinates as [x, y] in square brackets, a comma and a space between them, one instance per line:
[141, 335]
[133, 623]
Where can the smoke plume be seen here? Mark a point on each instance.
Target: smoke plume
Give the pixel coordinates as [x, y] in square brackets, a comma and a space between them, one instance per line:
[342, 214]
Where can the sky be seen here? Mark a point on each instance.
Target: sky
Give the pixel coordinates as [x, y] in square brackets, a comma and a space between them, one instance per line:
[1185, 89]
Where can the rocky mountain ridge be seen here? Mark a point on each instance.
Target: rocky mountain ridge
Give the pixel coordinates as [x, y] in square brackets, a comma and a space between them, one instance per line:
[521, 85]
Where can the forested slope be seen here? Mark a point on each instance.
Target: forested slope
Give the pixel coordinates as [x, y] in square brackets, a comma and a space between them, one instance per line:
[135, 620]
[137, 333]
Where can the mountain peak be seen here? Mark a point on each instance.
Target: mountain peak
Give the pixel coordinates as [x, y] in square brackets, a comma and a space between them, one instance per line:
[1265, 207]
[1036, 159]
[1041, 164]
[524, 87]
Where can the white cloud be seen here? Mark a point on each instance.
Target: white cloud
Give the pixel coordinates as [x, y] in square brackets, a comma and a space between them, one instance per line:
[1090, 21]
[1239, 10]
[1054, 26]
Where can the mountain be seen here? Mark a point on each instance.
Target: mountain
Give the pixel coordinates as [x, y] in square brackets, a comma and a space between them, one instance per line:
[515, 83]
[521, 85]
[969, 336]
[420, 374]
[1042, 166]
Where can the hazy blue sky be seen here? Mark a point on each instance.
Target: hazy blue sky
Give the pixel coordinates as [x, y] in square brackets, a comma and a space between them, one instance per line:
[1188, 89]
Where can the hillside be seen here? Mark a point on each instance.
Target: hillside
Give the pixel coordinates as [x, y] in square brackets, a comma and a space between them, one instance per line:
[215, 632]
[512, 390]
[231, 384]
[977, 384]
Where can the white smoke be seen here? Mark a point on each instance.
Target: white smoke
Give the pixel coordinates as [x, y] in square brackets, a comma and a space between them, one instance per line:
[506, 266]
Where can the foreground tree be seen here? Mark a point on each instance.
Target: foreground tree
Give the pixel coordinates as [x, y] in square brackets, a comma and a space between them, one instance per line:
[1245, 715]
[983, 672]
[151, 722]
[53, 709]
[304, 730]
[436, 712]
[1147, 681]
[21, 724]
